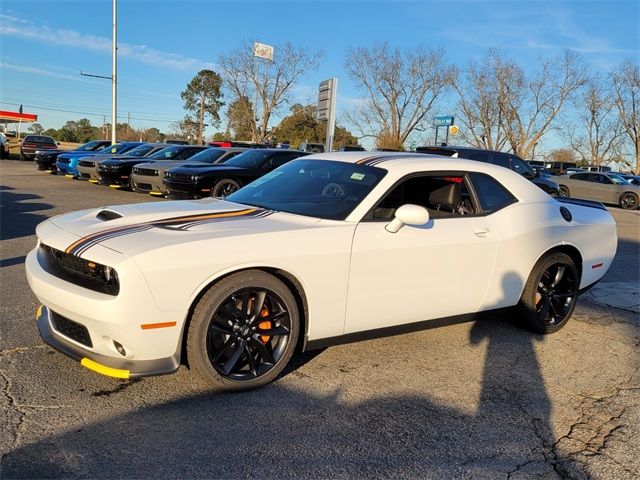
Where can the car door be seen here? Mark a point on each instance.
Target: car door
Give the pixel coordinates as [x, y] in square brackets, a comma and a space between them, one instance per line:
[579, 185]
[439, 269]
[598, 187]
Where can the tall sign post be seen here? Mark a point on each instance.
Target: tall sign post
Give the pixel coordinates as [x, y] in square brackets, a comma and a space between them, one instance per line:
[446, 121]
[326, 110]
[260, 50]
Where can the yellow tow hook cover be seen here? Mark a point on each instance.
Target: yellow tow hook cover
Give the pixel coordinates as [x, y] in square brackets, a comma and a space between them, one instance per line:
[104, 370]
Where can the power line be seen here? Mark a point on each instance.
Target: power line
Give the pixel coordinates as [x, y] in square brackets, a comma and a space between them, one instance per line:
[94, 114]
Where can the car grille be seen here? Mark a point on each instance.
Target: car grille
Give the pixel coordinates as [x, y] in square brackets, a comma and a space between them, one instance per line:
[71, 329]
[177, 194]
[80, 272]
[85, 175]
[64, 160]
[146, 171]
[87, 163]
[180, 177]
[143, 186]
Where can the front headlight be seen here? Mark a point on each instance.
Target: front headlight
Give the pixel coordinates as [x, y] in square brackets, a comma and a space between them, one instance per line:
[194, 178]
[167, 174]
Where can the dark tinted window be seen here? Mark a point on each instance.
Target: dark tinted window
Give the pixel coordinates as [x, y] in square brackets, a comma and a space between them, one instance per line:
[518, 165]
[479, 157]
[140, 150]
[210, 155]
[491, 195]
[500, 159]
[580, 176]
[250, 159]
[39, 139]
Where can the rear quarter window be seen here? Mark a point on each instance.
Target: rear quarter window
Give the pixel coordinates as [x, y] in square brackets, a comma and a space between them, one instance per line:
[492, 196]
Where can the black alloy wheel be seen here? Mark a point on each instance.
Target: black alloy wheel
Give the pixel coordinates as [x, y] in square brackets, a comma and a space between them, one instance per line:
[549, 297]
[225, 187]
[564, 191]
[243, 331]
[629, 201]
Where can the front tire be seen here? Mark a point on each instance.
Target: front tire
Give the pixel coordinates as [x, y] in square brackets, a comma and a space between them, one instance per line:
[629, 201]
[243, 331]
[224, 188]
[564, 191]
[550, 294]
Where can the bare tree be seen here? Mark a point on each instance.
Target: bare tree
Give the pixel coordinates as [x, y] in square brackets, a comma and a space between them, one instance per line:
[486, 91]
[626, 86]
[501, 105]
[267, 82]
[597, 135]
[401, 88]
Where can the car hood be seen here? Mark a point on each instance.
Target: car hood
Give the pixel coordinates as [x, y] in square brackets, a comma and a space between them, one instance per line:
[78, 154]
[131, 229]
[164, 164]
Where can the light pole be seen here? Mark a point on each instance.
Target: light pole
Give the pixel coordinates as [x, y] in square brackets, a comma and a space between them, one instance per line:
[114, 78]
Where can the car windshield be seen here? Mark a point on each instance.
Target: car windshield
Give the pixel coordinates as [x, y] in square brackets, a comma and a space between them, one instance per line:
[140, 151]
[210, 155]
[90, 146]
[168, 153]
[249, 159]
[117, 148]
[618, 180]
[315, 188]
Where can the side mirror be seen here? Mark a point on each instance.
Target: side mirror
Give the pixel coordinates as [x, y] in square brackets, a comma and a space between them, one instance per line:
[408, 215]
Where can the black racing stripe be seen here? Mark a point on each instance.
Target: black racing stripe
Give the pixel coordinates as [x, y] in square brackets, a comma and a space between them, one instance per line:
[83, 247]
[258, 214]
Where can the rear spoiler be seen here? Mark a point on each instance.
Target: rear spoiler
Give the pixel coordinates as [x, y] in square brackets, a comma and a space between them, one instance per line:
[583, 203]
[445, 152]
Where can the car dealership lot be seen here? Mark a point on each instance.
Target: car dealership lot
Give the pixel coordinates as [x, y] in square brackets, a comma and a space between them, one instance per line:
[482, 399]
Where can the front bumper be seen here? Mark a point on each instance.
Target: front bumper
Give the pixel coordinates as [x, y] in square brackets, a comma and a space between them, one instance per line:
[151, 184]
[46, 164]
[66, 169]
[88, 326]
[182, 191]
[88, 173]
[114, 178]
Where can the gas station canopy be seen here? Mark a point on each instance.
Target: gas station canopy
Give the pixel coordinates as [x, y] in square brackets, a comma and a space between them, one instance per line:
[15, 117]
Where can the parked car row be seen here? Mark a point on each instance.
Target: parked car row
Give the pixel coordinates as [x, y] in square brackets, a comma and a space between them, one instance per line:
[193, 171]
[175, 171]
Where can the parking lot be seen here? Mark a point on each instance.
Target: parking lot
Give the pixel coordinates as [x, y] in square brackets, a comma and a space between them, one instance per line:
[483, 399]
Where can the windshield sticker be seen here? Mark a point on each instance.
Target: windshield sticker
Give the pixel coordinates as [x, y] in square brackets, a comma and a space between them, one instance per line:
[357, 176]
[264, 178]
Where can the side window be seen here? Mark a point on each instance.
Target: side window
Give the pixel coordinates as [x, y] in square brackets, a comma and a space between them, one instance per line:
[443, 195]
[491, 194]
[501, 159]
[521, 167]
[479, 157]
[280, 160]
[580, 176]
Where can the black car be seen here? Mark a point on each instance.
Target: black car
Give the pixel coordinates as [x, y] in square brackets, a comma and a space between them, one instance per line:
[46, 160]
[508, 160]
[116, 172]
[197, 181]
[31, 143]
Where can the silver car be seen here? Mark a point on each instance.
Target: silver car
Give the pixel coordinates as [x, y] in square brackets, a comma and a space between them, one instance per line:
[603, 187]
[147, 177]
[88, 166]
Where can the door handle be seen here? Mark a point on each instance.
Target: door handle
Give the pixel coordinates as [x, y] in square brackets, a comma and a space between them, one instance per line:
[482, 232]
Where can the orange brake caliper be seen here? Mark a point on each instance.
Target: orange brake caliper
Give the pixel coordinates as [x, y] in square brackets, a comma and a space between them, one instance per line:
[266, 325]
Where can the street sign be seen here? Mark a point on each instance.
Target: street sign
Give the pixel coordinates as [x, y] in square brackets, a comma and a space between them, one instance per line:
[263, 51]
[443, 121]
[454, 129]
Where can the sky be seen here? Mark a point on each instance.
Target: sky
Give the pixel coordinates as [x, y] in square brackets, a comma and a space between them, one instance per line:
[44, 45]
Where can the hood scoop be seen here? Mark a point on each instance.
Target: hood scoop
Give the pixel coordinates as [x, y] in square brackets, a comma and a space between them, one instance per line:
[106, 215]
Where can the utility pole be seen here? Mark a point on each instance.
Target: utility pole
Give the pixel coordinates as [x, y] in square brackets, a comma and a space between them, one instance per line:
[128, 123]
[114, 78]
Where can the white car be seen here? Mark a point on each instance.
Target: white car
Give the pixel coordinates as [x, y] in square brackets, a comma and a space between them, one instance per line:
[325, 249]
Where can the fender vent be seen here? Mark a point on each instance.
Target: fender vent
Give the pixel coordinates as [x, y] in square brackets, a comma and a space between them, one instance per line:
[106, 215]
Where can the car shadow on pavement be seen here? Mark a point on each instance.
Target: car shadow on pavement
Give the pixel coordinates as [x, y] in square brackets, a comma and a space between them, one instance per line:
[289, 430]
[17, 216]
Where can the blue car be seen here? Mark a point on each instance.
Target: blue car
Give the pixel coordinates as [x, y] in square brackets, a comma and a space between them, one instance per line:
[67, 163]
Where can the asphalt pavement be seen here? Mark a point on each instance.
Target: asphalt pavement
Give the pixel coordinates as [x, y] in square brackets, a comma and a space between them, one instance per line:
[483, 399]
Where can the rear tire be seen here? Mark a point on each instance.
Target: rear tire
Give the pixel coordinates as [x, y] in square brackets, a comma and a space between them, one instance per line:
[243, 331]
[564, 191]
[550, 294]
[629, 201]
